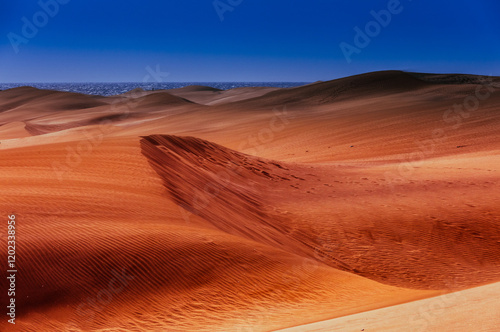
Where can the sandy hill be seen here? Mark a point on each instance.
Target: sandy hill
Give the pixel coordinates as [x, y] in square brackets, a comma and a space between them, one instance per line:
[211, 96]
[38, 99]
[367, 246]
[14, 130]
[194, 88]
[375, 84]
[454, 78]
[348, 204]
[386, 82]
[160, 99]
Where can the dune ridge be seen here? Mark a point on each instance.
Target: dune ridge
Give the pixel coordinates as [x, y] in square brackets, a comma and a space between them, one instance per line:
[339, 203]
[119, 220]
[241, 194]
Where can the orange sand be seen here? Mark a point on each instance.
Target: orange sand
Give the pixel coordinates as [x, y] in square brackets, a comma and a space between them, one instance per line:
[338, 205]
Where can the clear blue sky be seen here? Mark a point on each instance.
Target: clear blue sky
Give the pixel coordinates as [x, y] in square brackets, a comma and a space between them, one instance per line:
[298, 40]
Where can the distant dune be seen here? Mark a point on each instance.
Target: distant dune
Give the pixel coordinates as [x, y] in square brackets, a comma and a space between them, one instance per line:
[210, 96]
[389, 82]
[38, 100]
[368, 202]
[14, 130]
[454, 78]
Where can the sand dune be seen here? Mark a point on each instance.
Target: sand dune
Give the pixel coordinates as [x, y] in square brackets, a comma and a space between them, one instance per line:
[449, 312]
[160, 99]
[387, 82]
[341, 205]
[111, 212]
[29, 97]
[210, 96]
[203, 177]
[14, 130]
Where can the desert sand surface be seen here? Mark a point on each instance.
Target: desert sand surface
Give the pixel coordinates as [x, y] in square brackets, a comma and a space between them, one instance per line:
[211, 96]
[456, 311]
[343, 205]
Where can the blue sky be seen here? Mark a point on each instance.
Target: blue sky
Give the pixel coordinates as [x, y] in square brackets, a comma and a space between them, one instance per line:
[257, 40]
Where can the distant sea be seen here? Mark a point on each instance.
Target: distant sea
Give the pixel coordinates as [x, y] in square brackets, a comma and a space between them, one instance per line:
[109, 89]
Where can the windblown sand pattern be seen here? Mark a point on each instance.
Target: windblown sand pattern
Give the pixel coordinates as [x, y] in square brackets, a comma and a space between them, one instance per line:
[359, 203]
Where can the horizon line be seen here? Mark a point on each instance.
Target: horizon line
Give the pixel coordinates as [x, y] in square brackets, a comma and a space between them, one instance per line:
[314, 81]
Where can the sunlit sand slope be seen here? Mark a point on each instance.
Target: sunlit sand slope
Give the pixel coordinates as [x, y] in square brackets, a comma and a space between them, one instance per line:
[474, 309]
[344, 216]
[102, 245]
[350, 203]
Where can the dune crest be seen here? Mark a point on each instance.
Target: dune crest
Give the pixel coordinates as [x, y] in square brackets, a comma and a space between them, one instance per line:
[243, 195]
[254, 209]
